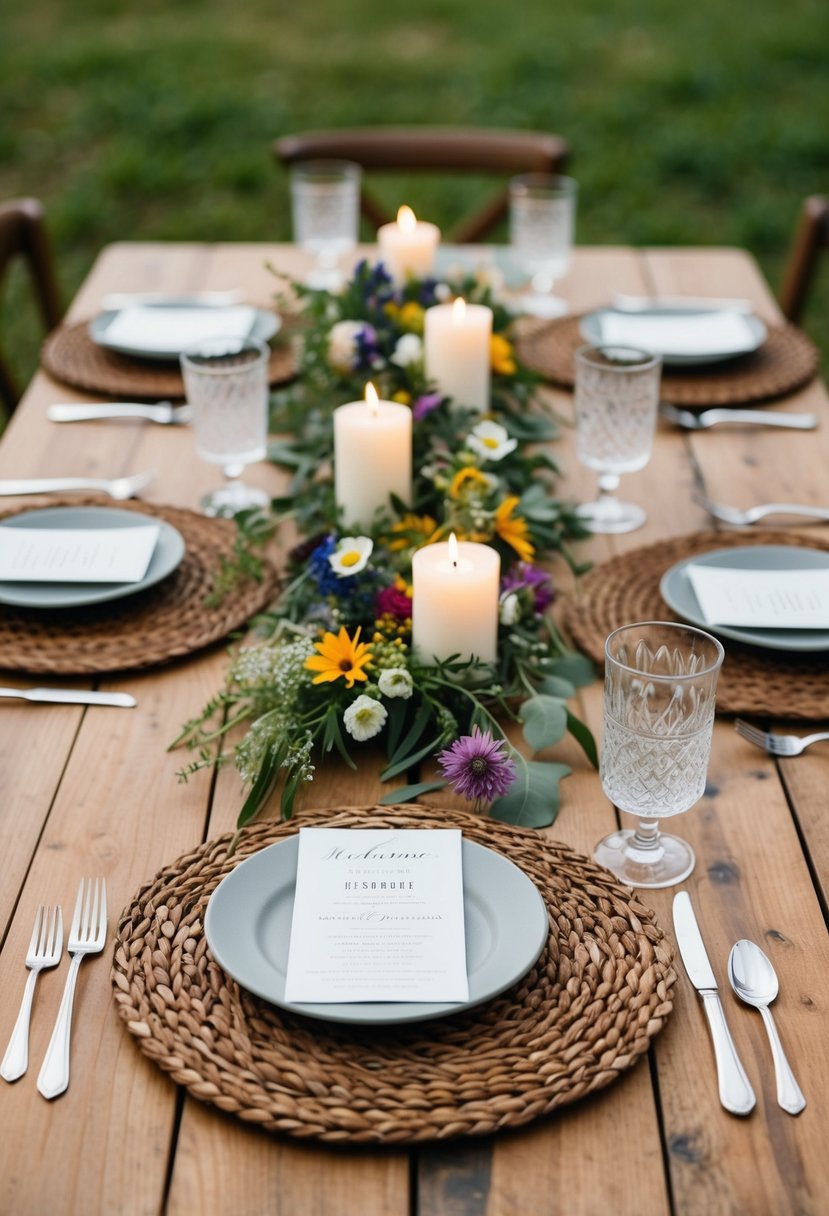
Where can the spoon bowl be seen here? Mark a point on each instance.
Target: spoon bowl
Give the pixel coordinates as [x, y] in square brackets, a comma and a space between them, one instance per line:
[754, 980]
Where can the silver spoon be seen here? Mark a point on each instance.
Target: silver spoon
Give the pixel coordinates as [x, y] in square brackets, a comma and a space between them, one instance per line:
[754, 980]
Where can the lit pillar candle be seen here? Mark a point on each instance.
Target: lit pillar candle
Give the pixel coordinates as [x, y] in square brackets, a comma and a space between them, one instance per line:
[372, 457]
[408, 246]
[455, 601]
[456, 339]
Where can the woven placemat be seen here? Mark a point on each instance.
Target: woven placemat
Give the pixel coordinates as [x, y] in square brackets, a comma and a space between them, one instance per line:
[786, 361]
[587, 1010]
[70, 355]
[164, 622]
[753, 680]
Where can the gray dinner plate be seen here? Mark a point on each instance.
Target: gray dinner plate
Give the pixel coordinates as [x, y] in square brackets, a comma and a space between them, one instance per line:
[678, 593]
[168, 552]
[591, 330]
[265, 325]
[248, 930]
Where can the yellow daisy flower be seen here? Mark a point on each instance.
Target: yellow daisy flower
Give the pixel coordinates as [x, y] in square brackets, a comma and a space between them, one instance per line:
[411, 530]
[513, 529]
[411, 317]
[339, 657]
[501, 355]
[402, 397]
[468, 478]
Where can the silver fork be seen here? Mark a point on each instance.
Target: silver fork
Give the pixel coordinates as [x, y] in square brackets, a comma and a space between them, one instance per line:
[708, 418]
[751, 515]
[119, 488]
[87, 935]
[777, 745]
[44, 951]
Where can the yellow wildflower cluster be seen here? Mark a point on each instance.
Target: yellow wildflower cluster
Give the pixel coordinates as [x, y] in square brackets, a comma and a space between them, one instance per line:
[502, 356]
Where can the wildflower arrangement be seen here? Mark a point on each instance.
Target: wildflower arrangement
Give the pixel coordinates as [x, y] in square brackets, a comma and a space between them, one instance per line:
[336, 670]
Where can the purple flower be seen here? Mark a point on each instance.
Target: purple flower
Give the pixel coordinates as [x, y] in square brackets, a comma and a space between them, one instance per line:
[526, 576]
[394, 602]
[476, 766]
[425, 404]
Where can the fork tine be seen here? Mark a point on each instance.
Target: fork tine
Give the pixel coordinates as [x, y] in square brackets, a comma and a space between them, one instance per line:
[96, 900]
[75, 927]
[749, 732]
[56, 935]
[102, 924]
[33, 944]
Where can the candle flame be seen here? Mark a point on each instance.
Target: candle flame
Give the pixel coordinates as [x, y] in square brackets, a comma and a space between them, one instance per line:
[453, 549]
[406, 219]
[372, 400]
[459, 311]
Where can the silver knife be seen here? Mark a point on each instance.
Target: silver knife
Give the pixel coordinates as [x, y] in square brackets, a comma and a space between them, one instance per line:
[736, 1094]
[71, 696]
[162, 411]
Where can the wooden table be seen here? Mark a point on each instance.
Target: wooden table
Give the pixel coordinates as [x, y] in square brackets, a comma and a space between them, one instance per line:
[87, 792]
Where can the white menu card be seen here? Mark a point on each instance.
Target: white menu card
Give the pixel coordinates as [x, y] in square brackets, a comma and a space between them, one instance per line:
[766, 599]
[76, 555]
[378, 916]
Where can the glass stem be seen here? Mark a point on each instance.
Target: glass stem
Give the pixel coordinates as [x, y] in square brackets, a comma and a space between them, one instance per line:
[233, 472]
[646, 836]
[608, 485]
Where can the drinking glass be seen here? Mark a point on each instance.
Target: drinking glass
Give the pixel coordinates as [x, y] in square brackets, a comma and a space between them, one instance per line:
[659, 693]
[542, 220]
[616, 399]
[226, 381]
[325, 198]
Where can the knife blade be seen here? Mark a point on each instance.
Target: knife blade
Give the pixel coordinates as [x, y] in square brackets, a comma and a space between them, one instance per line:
[71, 696]
[161, 411]
[736, 1094]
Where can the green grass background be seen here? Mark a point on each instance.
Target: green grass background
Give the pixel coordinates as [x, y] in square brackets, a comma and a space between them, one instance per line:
[692, 123]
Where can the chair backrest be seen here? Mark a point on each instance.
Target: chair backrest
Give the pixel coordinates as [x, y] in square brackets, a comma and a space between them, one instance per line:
[439, 149]
[811, 237]
[23, 234]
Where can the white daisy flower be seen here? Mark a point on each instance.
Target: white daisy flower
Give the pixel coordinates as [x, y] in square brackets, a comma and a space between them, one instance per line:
[396, 682]
[351, 555]
[491, 441]
[409, 349]
[365, 718]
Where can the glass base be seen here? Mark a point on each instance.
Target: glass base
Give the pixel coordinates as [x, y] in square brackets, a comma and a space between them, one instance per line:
[233, 498]
[324, 278]
[545, 306]
[666, 864]
[611, 515]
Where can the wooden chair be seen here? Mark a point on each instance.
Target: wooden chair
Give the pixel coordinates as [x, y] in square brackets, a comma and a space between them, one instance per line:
[23, 234]
[438, 149]
[811, 237]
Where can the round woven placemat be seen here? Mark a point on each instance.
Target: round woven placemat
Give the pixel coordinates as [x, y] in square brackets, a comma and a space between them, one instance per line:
[581, 1016]
[786, 361]
[70, 355]
[164, 622]
[753, 680]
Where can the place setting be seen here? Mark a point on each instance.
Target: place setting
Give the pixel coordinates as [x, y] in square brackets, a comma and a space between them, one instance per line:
[132, 348]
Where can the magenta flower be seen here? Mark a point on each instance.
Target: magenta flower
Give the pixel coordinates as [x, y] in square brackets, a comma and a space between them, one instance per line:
[394, 602]
[476, 767]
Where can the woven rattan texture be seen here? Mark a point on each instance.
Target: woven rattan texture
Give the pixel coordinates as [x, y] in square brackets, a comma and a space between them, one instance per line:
[584, 1014]
[162, 623]
[753, 680]
[786, 361]
[70, 355]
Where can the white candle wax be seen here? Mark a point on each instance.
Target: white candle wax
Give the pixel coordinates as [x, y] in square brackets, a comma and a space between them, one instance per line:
[408, 246]
[456, 348]
[372, 458]
[455, 601]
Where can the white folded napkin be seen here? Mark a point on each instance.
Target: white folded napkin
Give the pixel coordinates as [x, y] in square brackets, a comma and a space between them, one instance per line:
[722, 332]
[160, 328]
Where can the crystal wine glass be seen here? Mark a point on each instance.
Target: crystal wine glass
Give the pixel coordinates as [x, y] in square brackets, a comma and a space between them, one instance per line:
[325, 198]
[226, 381]
[542, 221]
[659, 693]
[616, 399]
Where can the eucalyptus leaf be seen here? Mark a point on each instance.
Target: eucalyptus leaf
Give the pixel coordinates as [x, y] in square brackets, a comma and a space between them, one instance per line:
[408, 793]
[574, 667]
[555, 686]
[544, 719]
[534, 798]
[583, 735]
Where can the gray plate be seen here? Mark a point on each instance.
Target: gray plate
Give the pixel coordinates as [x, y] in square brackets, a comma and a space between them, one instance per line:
[678, 593]
[248, 929]
[591, 330]
[265, 326]
[168, 552]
